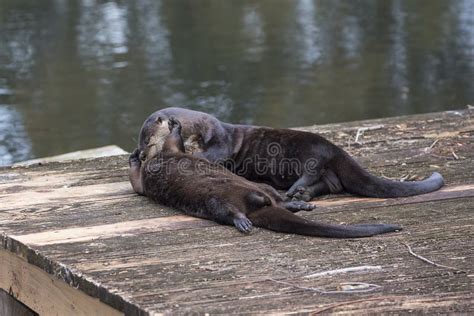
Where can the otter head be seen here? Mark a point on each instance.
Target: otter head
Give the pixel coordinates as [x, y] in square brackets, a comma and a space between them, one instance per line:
[155, 129]
[153, 132]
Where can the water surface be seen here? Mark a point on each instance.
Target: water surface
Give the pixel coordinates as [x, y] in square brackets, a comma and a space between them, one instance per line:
[82, 74]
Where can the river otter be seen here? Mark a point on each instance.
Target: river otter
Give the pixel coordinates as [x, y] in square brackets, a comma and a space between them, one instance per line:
[202, 189]
[305, 164]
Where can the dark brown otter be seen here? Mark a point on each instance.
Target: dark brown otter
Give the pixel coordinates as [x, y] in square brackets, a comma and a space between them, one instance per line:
[305, 164]
[202, 189]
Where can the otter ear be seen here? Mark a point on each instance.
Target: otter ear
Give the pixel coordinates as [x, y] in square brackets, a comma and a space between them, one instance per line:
[158, 120]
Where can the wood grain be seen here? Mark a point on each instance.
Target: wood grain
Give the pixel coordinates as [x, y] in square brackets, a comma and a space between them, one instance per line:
[81, 224]
[44, 294]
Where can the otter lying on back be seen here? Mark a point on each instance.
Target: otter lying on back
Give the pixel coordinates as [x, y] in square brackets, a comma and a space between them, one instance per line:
[305, 164]
[202, 189]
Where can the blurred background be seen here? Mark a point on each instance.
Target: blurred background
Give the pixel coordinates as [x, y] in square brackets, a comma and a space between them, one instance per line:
[83, 74]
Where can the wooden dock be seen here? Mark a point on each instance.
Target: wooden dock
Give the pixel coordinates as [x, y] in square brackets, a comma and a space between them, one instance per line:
[75, 239]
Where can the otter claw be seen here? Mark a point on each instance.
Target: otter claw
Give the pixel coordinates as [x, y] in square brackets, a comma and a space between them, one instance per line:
[244, 225]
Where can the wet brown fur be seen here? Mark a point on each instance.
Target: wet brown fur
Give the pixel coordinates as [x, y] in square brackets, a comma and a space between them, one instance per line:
[206, 190]
[239, 147]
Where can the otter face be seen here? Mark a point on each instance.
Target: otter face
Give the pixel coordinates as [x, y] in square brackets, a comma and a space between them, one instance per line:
[154, 132]
[193, 144]
[152, 136]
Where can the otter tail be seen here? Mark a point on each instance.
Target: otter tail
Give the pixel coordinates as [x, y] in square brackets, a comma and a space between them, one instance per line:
[356, 180]
[281, 220]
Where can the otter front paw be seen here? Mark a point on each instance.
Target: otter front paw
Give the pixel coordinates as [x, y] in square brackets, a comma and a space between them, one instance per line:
[134, 159]
[302, 194]
[174, 124]
[244, 225]
[296, 206]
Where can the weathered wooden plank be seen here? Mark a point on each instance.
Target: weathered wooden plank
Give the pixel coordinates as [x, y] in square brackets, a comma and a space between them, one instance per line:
[9, 306]
[105, 212]
[189, 272]
[81, 223]
[44, 294]
[166, 219]
[105, 151]
[88, 233]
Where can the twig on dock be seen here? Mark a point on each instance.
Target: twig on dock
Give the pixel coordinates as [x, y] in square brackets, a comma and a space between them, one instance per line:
[361, 131]
[434, 143]
[429, 261]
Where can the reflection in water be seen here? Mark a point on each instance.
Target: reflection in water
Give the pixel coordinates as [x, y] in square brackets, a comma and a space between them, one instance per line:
[351, 36]
[397, 62]
[254, 34]
[158, 58]
[81, 74]
[16, 48]
[14, 144]
[309, 36]
[465, 10]
[155, 37]
[102, 30]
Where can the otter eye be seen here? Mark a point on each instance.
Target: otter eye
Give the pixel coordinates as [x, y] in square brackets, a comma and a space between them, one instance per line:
[158, 120]
[142, 156]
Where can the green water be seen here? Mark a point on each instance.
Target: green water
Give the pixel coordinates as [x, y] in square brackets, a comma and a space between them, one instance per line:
[82, 74]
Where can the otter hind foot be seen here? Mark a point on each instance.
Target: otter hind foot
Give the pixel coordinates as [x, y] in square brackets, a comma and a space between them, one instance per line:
[244, 225]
